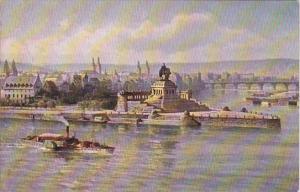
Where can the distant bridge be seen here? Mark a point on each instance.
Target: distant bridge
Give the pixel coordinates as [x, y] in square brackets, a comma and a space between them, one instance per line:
[250, 83]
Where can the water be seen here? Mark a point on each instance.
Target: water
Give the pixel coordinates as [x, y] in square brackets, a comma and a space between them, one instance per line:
[159, 159]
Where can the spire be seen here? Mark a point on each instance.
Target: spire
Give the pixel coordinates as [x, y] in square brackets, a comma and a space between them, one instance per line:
[38, 77]
[139, 69]
[148, 68]
[14, 68]
[94, 65]
[99, 66]
[86, 76]
[6, 68]
[85, 79]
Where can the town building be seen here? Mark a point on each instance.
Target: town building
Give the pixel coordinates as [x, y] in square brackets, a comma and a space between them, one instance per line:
[20, 89]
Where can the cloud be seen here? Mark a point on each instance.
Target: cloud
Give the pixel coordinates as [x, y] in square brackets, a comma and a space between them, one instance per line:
[193, 37]
[64, 24]
[180, 33]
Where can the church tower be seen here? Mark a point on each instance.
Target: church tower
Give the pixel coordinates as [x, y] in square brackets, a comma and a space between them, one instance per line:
[14, 68]
[139, 69]
[148, 68]
[94, 65]
[85, 80]
[99, 66]
[6, 68]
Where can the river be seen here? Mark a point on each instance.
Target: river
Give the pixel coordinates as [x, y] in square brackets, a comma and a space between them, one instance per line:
[149, 158]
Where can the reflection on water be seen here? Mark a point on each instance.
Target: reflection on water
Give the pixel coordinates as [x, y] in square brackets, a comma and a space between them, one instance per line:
[150, 158]
[276, 130]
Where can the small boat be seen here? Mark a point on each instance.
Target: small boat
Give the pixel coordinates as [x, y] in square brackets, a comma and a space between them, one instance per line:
[293, 102]
[101, 119]
[256, 101]
[57, 142]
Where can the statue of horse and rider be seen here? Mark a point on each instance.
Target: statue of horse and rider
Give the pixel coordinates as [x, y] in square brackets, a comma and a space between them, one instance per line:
[164, 72]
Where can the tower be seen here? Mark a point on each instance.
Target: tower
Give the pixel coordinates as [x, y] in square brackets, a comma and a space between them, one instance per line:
[199, 77]
[85, 80]
[6, 68]
[139, 69]
[14, 68]
[148, 68]
[99, 66]
[94, 65]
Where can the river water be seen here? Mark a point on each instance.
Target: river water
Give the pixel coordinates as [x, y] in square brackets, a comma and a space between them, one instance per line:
[149, 158]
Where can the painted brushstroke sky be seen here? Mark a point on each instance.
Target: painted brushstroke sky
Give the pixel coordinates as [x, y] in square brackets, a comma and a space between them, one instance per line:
[57, 31]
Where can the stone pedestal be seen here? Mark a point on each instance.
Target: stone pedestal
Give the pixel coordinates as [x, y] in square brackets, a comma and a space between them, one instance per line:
[122, 105]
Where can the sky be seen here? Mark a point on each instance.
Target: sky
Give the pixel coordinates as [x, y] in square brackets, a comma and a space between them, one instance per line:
[123, 32]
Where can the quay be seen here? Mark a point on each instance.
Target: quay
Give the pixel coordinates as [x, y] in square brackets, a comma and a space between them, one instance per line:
[215, 118]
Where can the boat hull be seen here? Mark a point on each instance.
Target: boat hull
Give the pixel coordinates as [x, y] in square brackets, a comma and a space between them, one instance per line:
[90, 150]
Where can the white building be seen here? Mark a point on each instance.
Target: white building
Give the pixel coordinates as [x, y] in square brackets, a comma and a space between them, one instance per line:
[20, 89]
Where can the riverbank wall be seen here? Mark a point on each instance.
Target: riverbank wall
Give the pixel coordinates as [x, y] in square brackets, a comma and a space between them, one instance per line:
[206, 118]
[33, 115]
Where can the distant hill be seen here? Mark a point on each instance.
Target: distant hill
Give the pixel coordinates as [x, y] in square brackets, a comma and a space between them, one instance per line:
[269, 67]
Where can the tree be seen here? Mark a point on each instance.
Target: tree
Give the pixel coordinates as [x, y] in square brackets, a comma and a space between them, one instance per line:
[77, 82]
[42, 103]
[103, 90]
[51, 104]
[50, 90]
[226, 108]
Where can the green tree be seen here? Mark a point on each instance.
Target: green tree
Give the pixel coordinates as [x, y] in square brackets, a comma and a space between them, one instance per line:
[50, 90]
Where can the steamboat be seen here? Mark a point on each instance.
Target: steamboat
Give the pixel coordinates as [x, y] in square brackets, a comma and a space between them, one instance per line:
[57, 142]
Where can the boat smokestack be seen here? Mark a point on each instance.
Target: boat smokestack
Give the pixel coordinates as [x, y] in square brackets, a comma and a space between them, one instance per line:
[67, 131]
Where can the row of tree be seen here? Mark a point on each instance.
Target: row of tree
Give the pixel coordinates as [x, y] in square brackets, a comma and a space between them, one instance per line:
[78, 92]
